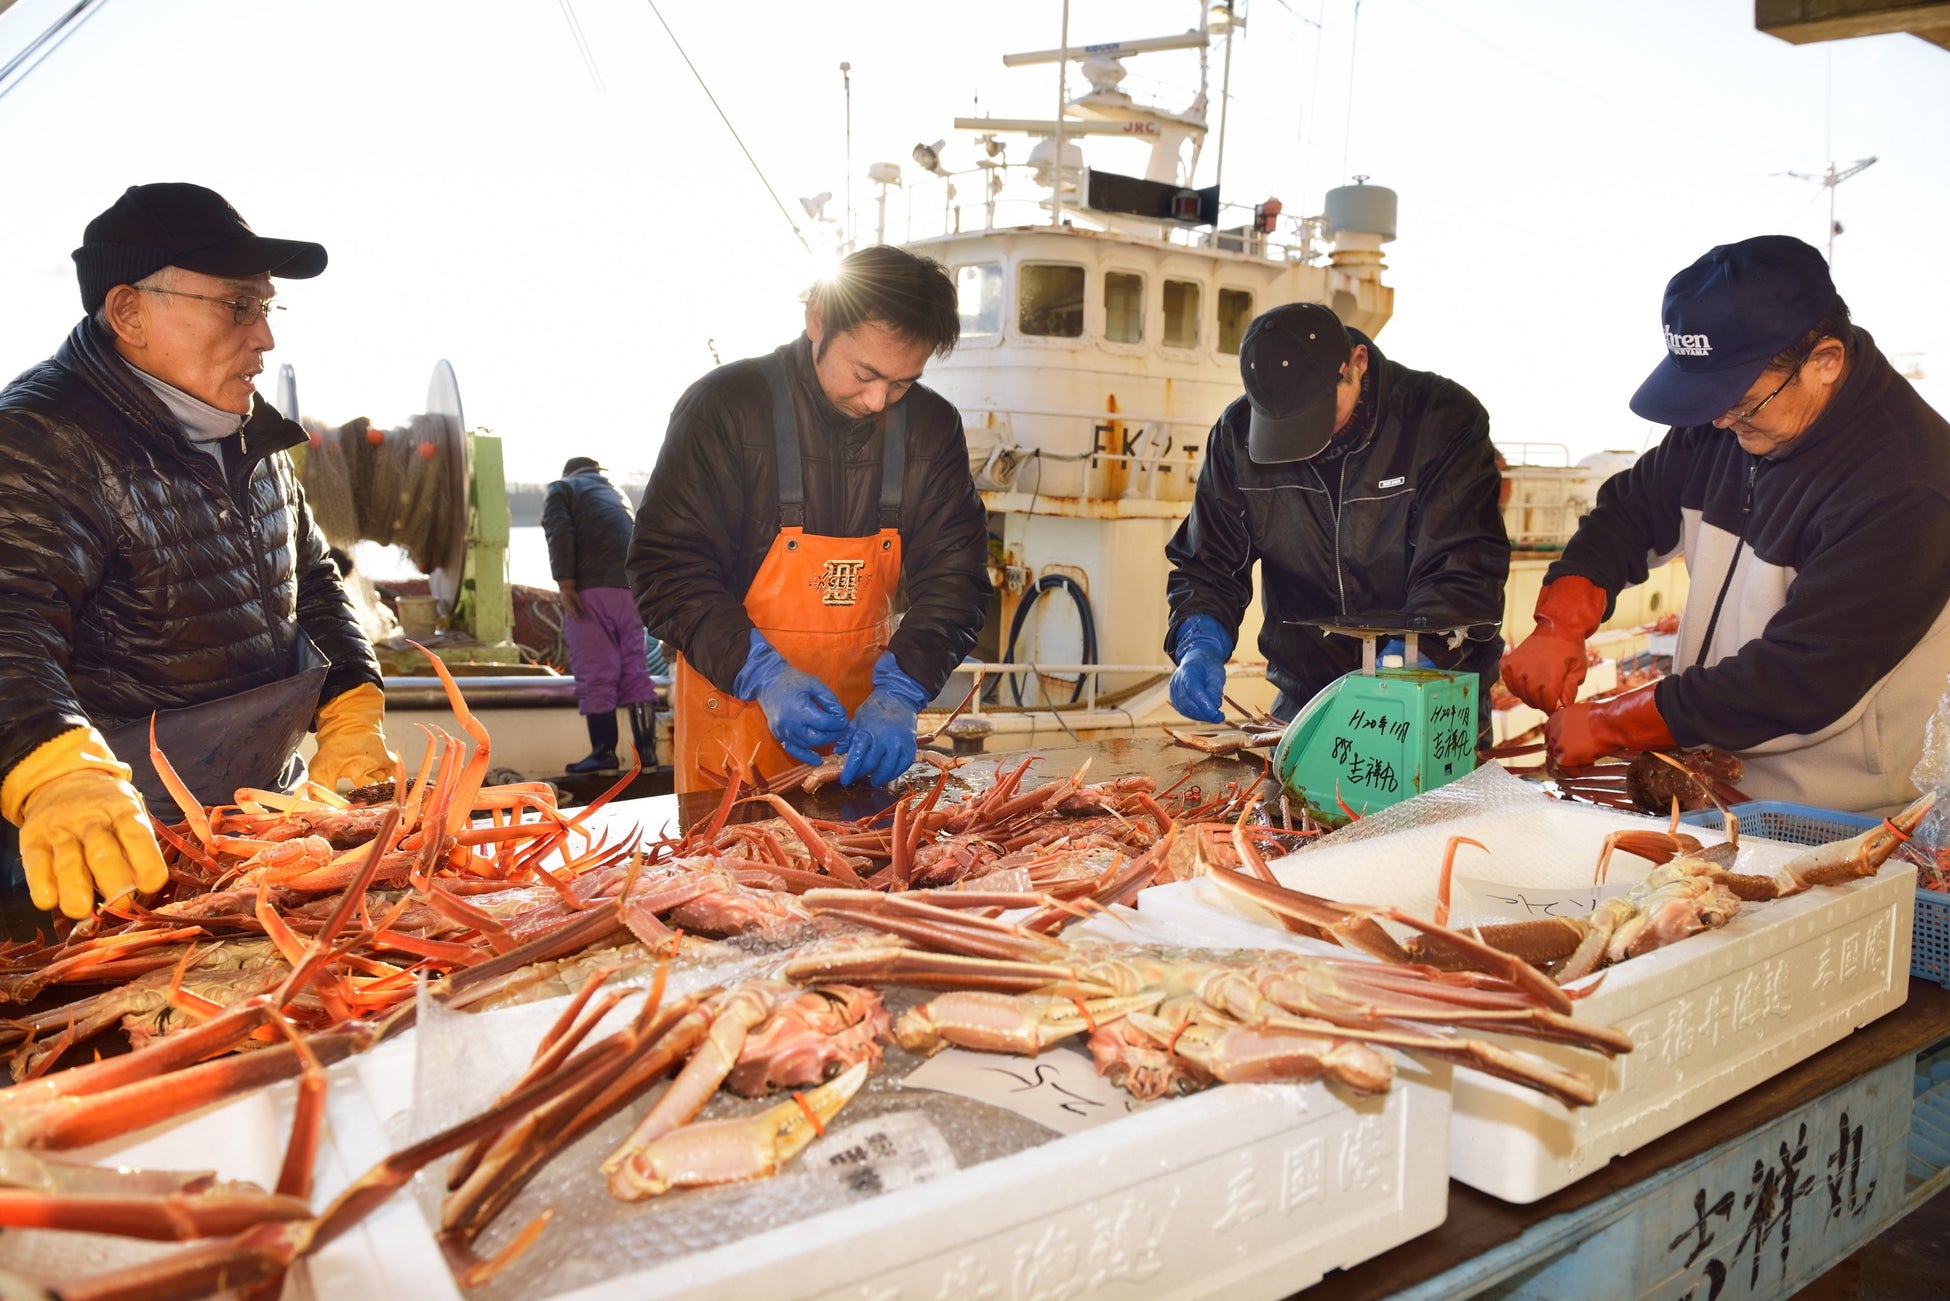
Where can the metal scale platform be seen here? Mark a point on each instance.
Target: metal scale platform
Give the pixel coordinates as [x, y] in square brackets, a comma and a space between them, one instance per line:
[1382, 734]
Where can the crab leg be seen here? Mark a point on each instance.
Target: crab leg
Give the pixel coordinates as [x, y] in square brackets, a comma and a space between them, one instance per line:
[199, 819]
[822, 852]
[1349, 924]
[1845, 860]
[1009, 1023]
[727, 1151]
[1448, 873]
[732, 1018]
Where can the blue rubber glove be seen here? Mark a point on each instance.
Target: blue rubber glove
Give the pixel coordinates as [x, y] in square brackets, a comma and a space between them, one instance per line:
[1396, 646]
[880, 747]
[1198, 687]
[801, 711]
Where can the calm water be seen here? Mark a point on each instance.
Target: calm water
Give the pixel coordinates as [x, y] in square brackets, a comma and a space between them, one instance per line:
[527, 558]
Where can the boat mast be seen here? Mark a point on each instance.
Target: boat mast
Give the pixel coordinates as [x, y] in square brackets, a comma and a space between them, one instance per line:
[1062, 75]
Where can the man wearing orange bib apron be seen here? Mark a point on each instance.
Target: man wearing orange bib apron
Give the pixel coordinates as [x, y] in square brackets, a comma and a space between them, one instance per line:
[794, 496]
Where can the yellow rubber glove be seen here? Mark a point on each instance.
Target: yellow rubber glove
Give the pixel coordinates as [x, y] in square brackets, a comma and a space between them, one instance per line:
[352, 739]
[83, 829]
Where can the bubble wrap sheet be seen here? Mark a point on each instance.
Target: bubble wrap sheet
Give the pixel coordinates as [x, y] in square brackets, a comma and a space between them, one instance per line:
[1534, 841]
[1710, 1016]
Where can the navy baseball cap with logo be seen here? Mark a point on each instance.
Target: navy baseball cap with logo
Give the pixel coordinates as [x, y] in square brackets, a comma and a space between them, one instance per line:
[1726, 316]
[1291, 361]
[173, 223]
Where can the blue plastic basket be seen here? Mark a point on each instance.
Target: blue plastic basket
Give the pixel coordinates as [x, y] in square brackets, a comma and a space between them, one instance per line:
[1929, 954]
[1798, 824]
[1801, 825]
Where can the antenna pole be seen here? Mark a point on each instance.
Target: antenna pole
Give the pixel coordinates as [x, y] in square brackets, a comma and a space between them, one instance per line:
[1225, 102]
[1829, 178]
[846, 80]
[1062, 75]
[1829, 181]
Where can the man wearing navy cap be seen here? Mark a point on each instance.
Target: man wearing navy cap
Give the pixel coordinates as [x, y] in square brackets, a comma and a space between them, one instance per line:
[1358, 485]
[1808, 487]
[158, 559]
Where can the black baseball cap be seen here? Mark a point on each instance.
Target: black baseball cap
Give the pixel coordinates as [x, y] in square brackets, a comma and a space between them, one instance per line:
[175, 224]
[1291, 361]
[1726, 316]
[575, 463]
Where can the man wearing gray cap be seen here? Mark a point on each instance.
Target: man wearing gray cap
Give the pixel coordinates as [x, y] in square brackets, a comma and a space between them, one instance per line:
[159, 560]
[1357, 485]
[588, 524]
[1808, 487]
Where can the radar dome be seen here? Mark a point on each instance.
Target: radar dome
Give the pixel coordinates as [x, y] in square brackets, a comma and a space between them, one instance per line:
[1368, 209]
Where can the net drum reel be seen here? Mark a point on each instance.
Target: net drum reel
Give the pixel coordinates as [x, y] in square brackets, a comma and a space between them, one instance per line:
[1381, 735]
[404, 487]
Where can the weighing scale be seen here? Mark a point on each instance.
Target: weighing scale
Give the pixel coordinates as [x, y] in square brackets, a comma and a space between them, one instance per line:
[1380, 735]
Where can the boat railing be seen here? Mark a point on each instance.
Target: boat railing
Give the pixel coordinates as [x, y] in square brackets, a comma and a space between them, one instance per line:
[1147, 447]
[1543, 455]
[1008, 197]
[1092, 700]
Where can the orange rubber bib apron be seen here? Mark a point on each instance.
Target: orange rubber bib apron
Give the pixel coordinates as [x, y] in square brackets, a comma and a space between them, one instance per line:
[825, 603]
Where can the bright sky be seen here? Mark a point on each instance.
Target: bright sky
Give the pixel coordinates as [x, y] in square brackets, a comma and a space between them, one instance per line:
[575, 231]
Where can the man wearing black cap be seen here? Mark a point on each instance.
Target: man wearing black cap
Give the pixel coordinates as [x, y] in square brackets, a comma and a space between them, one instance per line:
[1360, 485]
[1808, 486]
[588, 523]
[159, 559]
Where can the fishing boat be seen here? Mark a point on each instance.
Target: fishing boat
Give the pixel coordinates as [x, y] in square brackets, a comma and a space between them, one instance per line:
[1101, 322]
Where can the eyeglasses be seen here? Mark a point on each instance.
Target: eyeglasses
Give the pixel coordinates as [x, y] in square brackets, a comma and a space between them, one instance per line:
[244, 309]
[1746, 417]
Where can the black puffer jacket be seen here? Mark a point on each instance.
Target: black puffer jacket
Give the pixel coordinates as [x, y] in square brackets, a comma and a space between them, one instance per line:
[1404, 518]
[132, 576]
[712, 510]
[587, 521]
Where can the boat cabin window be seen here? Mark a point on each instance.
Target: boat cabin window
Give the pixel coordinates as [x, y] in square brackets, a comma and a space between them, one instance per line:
[978, 294]
[1049, 300]
[1235, 314]
[1181, 314]
[1123, 307]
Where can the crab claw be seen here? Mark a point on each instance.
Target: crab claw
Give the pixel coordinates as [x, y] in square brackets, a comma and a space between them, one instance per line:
[1860, 856]
[727, 1151]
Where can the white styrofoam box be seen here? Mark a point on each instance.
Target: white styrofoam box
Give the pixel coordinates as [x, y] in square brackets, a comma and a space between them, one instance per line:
[1249, 1190]
[1241, 1191]
[387, 1257]
[1245, 1190]
[1710, 1016]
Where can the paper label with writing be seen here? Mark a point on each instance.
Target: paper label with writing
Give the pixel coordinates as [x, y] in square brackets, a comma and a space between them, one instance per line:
[1474, 897]
[883, 1154]
[1059, 1088]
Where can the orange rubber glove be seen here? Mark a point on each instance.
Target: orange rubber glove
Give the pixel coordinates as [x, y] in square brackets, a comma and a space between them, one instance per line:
[84, 829]
[1546, 670]
[1583, 732]
[352, 739]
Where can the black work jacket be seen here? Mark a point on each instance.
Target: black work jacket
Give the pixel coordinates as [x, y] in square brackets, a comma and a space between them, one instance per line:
[133, 577]
[712, 510]
[1403, 517]
[587, 522]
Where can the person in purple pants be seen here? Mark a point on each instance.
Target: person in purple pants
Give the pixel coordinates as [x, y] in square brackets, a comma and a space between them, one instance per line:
[588, 524]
